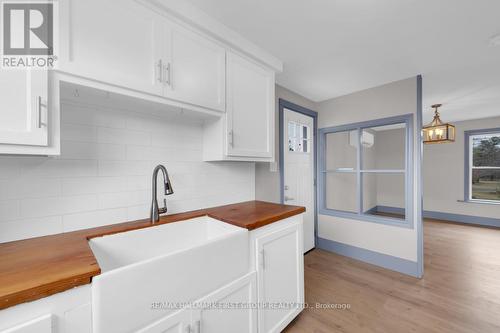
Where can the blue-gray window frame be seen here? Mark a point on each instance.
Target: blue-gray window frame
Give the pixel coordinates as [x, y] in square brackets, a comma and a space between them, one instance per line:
[408, 172]
[468, 165]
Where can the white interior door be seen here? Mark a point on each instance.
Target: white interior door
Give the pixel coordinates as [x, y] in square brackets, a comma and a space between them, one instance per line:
[298, 162]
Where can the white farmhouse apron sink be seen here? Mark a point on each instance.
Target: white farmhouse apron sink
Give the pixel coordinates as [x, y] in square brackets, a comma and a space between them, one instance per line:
[176, 263]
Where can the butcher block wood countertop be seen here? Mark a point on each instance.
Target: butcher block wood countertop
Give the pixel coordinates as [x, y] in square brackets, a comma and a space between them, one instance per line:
[38, 267]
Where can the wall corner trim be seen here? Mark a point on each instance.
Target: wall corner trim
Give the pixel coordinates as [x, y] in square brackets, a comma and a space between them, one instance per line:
[371, 257]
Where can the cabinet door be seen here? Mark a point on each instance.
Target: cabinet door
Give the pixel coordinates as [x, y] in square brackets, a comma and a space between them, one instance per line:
[113, 41]
[24, 114]
[178, 322]
[280, 268]
[217, 319]
[250, 108]
[197, 70]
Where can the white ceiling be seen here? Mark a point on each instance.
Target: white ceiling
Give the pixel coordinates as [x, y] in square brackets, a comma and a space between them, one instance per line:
[334, 47]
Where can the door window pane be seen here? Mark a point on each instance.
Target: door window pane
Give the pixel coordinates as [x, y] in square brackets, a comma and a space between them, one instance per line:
[298, 137]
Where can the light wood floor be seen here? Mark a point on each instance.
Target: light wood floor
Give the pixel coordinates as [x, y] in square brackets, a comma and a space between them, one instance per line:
[460, 291]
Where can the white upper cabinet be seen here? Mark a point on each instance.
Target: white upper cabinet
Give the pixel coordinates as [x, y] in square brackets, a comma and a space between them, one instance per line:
[196, 74]
[114, 42]
[131, 46]
[23, 111]
[250, 108]
[143, 50]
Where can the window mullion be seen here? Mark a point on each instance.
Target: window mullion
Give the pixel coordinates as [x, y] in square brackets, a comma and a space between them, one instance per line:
[359, 176]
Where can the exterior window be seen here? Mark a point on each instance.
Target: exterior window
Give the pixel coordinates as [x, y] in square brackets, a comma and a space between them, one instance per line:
[299, 137]
[365, 171]
[483, 161]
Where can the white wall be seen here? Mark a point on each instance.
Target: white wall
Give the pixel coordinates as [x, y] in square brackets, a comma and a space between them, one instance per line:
[104, 174]
[393, 99]
[267, 182]
[443, 174]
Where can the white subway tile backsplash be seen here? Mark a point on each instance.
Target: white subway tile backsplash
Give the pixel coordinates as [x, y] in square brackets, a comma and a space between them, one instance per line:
[139, 212]
[90, 115]
[124, 168]
[92, 151]
[9, 210]
[140, 153]
[137, 183]
[92, 219]
[9, 167]
[90, 185]
[123, 199]
[103, 175]
[55, 167]
[25, 187]
[123, 136]
[166, 139]
[40, 207]
[140, 122]
[29, 228]
[77, 132]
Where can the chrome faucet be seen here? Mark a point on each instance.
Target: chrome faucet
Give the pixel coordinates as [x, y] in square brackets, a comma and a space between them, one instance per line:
[155, 211]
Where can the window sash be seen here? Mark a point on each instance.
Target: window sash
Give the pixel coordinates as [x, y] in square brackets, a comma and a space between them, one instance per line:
[471, 147]
[407, 172]
[469, 139]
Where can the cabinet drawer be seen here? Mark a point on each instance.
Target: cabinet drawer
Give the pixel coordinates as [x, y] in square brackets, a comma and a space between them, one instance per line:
[41, 324]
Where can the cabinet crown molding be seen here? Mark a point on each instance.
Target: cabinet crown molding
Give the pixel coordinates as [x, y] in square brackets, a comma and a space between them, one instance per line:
[185, 12]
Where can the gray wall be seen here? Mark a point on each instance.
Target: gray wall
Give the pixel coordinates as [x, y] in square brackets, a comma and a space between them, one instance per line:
[444, 174]
[267, 182]
[397, 98]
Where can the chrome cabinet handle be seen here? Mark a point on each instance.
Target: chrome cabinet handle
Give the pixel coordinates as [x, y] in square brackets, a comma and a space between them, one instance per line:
[288, 198]
[39, 107]
[159, 75]
[39, 111]
[198, 326]
[231, 138]
[263, 259]
[167, 71]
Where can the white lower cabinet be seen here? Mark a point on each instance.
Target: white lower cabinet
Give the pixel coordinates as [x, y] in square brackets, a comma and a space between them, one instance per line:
[178, 322]
[41, 324]
[66, 312]
[229, 309]
[280, 273]
[226, 310]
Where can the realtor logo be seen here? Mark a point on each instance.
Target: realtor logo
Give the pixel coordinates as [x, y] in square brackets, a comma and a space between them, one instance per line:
[28, 34]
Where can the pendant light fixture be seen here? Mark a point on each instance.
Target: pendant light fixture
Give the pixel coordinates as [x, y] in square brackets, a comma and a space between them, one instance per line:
[437, 131]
